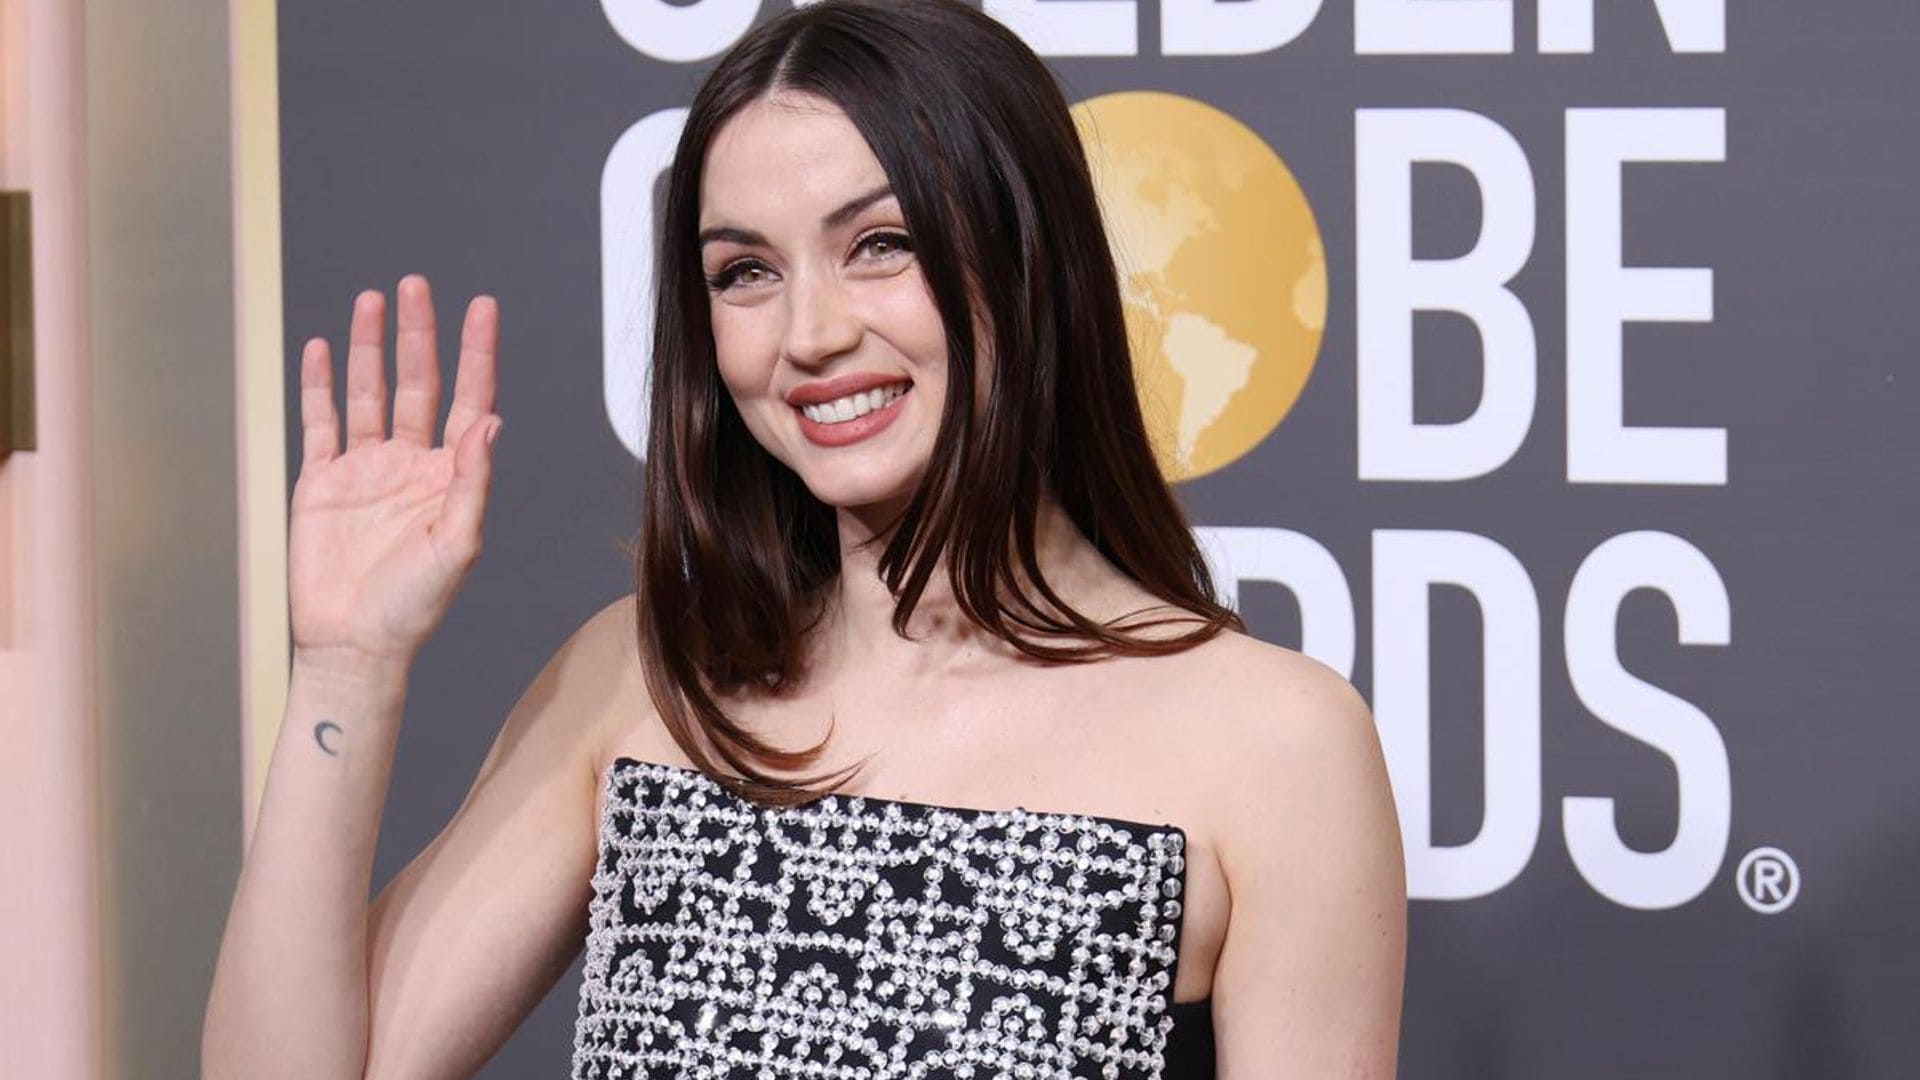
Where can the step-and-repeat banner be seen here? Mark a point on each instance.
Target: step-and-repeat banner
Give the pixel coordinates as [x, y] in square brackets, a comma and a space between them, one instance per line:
[1546, 366]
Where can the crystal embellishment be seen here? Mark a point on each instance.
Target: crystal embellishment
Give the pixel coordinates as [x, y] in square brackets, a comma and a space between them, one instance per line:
[865, 938]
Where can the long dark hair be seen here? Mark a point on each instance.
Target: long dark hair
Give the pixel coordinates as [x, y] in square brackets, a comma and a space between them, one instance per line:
[981, 151]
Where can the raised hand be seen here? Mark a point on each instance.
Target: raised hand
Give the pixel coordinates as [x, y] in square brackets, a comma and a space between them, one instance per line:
[382, 535]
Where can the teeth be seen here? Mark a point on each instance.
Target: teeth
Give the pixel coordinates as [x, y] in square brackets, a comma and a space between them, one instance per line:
[841, 410]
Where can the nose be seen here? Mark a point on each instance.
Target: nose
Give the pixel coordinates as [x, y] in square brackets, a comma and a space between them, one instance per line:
[821, 322]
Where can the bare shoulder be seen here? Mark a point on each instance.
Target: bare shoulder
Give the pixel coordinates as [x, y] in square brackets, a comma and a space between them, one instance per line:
[610, 684]
[588, 687]
[1264, 666]
[1288, 739]
[1273, 698]
[603, 647]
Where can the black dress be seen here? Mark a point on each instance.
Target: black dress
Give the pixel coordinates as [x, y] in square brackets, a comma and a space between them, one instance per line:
[860, 938]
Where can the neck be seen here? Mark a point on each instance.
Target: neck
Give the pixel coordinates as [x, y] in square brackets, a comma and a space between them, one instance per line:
[858, 633]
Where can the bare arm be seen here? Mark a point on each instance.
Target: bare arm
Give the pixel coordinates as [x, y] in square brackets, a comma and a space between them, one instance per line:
[381, 536]
[466, 940]
[289, 993]
[1310, 976]
[446, 963]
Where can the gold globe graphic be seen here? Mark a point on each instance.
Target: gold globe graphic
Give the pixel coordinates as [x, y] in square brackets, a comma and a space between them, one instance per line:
[1221, 267]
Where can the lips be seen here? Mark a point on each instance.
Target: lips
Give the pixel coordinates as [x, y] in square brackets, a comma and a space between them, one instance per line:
[815, 393]
[854, 430]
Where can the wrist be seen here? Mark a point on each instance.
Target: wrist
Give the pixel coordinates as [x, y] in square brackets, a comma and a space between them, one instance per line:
[351, 666]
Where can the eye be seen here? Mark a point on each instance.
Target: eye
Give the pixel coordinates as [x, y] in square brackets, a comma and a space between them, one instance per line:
[885, 244]
[733, 273]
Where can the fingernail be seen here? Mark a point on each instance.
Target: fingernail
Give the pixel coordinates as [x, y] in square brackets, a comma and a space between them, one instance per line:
[493, 433]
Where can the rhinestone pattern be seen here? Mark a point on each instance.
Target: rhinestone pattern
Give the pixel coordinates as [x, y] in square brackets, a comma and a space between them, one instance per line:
[860, 938]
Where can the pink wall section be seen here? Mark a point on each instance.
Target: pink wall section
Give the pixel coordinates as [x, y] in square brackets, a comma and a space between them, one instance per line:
[50, 1001]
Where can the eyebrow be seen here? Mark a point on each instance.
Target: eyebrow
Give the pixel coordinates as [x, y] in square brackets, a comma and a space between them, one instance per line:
[834, 220]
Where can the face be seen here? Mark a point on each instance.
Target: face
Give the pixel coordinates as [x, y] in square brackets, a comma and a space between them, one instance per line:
[827, 337]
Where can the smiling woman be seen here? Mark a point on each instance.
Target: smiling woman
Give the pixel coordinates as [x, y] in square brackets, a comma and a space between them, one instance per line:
[871, 207]
[902, 523]
[874, 208]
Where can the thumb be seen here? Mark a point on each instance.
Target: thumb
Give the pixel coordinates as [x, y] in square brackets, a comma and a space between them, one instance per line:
[472, 475]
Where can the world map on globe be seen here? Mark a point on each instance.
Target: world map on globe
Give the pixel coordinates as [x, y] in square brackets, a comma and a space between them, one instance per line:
[1221, 267]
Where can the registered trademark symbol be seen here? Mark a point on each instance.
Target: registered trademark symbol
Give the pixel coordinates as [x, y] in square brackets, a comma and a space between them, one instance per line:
[1768, 880]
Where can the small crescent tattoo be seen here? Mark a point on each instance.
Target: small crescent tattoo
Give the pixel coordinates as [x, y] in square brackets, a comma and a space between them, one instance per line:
[320, 736]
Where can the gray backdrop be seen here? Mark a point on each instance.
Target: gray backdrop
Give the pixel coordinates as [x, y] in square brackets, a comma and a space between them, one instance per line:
[1738, 673]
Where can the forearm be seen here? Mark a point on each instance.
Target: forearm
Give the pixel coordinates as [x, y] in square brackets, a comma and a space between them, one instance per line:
[290, 994]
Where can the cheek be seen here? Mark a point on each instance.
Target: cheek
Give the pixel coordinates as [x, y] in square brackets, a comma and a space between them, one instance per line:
[906, 316]
[914, 312]
[739, 351]
[744, 358]
[915, 327]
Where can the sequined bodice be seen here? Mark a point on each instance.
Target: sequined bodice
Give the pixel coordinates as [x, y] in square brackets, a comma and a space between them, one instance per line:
[861, 938]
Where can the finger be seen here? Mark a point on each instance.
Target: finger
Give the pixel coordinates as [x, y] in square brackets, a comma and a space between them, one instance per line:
[319, 424]
[466, 504]
[366, 371]
[474, 380]
[416, 394]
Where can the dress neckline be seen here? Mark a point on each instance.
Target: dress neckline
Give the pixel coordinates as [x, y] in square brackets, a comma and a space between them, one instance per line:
[715, 787]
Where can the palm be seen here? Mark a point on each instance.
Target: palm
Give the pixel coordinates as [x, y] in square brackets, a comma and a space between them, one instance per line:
[362, 544]
[382, 535]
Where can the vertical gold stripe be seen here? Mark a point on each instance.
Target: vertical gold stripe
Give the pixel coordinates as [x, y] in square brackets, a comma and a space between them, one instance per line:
[260, 384]
[16, 337]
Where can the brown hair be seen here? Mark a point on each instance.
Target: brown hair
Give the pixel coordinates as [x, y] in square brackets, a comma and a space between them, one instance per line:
[981, 151]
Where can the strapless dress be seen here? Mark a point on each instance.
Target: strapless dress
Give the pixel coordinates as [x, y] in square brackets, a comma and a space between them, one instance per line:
[862, 938]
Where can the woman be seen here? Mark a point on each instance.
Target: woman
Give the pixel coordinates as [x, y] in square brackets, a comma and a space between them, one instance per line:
[904, 540]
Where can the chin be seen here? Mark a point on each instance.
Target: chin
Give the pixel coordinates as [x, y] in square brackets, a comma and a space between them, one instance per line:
[845, 492]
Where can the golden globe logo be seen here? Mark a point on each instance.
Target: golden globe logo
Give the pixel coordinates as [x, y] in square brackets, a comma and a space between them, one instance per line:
[1221, 267]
